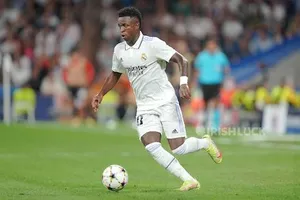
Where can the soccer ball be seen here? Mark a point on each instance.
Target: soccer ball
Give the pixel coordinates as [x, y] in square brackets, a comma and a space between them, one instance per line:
[115, 177]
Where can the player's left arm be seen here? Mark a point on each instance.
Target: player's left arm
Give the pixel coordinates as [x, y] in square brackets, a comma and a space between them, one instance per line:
[162, 51]
[183, 65]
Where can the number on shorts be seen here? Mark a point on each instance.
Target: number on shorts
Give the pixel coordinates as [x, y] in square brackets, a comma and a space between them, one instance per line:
[139, 120]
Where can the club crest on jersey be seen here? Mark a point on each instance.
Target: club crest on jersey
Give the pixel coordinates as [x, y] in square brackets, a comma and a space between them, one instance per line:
[144, 57]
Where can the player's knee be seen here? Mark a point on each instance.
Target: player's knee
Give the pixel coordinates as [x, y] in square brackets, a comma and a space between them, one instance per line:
[150, 137]
[153, 147]
[180, 150]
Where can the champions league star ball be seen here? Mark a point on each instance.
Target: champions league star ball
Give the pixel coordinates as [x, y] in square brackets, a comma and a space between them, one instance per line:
[115, 177]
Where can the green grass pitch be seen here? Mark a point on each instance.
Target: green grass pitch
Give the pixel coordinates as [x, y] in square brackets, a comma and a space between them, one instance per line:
[52, 161]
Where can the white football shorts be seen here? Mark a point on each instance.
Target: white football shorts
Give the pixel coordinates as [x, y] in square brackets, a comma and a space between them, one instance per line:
[167, 118]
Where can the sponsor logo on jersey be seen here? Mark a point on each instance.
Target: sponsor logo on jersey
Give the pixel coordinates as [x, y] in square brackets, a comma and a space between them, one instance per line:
[136, 70]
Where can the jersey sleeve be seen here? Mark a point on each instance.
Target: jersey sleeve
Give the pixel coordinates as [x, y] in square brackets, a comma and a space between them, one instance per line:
[116, 64]
[162, 51]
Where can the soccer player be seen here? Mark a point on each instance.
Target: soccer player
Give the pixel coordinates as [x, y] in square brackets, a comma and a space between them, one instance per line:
[144, 60]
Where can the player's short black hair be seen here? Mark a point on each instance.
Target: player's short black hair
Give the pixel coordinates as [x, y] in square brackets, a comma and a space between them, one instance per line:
[131, 12]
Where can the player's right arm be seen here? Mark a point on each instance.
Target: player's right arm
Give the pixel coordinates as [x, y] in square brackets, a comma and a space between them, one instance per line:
[110, 82]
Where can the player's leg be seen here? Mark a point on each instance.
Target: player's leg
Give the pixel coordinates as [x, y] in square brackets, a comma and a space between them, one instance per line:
[150, 128]
[174, 127]
[181, 146]
[151, 141]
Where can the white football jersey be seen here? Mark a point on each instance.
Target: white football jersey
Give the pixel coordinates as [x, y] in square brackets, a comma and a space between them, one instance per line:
[145, 63]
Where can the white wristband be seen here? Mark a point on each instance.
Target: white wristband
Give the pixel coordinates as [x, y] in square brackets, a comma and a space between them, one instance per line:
[183, 80]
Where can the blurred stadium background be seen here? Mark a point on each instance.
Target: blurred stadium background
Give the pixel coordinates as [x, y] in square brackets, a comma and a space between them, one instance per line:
[55, 55]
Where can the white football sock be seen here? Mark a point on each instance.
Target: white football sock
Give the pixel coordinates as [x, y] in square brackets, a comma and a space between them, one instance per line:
[168, 161]
[191, 144]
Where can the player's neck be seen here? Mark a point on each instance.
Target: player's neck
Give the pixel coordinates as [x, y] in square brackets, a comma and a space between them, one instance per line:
[132, 42]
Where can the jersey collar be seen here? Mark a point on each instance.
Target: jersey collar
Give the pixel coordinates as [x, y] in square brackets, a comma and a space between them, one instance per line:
[137, 44]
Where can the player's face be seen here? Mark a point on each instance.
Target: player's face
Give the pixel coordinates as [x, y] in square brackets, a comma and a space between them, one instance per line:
[129, 27]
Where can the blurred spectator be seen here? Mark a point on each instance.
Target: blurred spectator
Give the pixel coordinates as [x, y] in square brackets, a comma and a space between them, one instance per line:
[41, 68]
[232, 28]
[285, 93]
[278, 34]
[261, 43]
[45, 42]
[243, 48]
[20, 68]
[204, 28]
[181, 7]
[294, 28]
[78, 76]
[104, 52]
[231, 48]
[10, 42]
[69, 33]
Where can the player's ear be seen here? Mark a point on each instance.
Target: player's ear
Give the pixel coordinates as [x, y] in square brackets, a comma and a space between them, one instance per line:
[137, 25]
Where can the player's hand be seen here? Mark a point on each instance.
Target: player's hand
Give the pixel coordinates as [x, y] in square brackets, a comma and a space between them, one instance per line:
[184, 91]
[96, 102]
